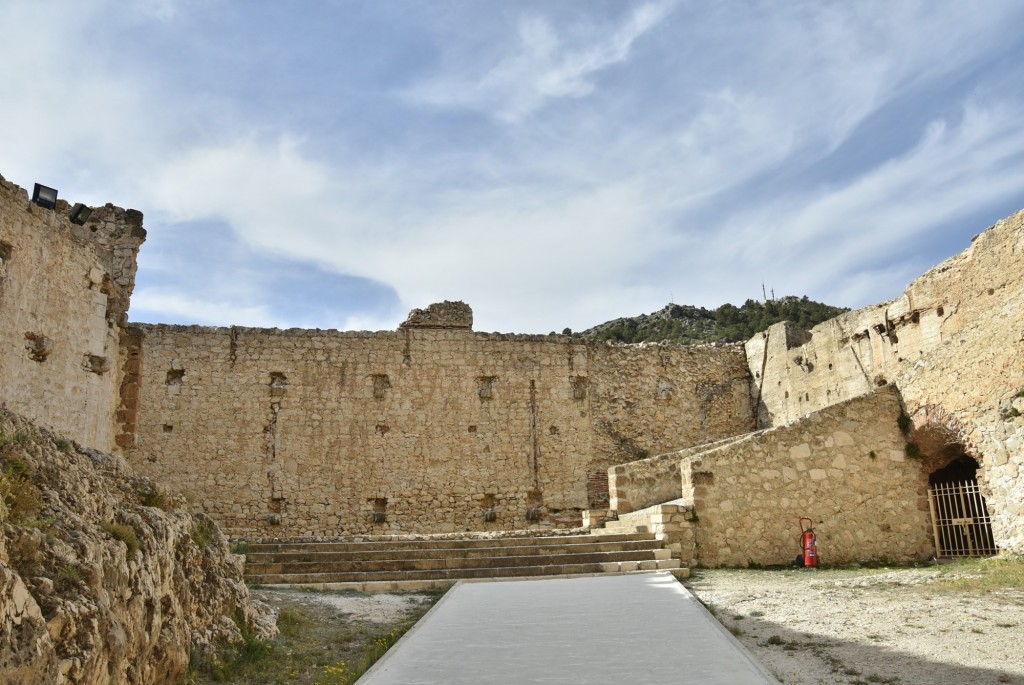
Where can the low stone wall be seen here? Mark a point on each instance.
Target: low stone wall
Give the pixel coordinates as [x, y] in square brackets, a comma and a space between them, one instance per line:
[673, 523]
[654, 480]
[844, 467]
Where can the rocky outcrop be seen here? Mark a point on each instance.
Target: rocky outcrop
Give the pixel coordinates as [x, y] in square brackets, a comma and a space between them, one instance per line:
[102, 579]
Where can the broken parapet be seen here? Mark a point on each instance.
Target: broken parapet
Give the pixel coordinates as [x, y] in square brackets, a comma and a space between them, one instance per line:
[441, 315]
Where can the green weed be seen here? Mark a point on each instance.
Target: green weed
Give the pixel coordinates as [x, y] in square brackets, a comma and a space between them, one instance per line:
[202, 533]
[150, 496]
[68, 576]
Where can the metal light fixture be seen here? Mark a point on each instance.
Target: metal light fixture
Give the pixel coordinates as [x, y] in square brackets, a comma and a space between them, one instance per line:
[44, 196]
[80, 214]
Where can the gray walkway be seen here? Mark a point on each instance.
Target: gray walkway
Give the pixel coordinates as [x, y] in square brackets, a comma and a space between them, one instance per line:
[638, 628]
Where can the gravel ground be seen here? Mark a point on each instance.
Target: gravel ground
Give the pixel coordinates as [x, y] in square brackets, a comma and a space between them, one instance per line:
[904, 626]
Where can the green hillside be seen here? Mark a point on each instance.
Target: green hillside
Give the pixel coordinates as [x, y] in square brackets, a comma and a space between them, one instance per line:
[696, 325]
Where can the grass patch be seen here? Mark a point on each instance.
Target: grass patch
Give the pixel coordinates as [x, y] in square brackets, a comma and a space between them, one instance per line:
[202, 533]
[985, 575]
[20, 498]
[125, 534]
[241, 547]
[68, 576]
[316, 646]
[62, 444]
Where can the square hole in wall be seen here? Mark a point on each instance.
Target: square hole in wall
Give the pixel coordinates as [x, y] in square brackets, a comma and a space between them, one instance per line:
[381, 384]
[5, 257]
[39, 346]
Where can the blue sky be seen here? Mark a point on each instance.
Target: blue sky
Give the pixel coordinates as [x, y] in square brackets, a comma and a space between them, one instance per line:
[554, 164]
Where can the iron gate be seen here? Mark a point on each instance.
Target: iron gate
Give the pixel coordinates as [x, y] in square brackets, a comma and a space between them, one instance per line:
[960, 521]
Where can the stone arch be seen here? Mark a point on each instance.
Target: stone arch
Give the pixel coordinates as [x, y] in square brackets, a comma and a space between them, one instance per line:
[941, 439]
[953, 478]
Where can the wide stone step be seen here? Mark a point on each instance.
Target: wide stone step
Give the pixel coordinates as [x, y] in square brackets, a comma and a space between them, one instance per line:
[440, 559]
[613, 529]
[317, 553]
[465, 573]
[402, 563]
[439, 543]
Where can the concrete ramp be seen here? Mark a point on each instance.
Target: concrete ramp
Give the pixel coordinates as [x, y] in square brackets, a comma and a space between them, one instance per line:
[637, 628]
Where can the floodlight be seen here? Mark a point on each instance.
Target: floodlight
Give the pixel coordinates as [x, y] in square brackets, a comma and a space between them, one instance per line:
[80, 214]
[44, 196]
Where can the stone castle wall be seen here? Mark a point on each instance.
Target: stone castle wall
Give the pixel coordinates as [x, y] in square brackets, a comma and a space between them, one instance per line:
[435, 428]
[424, 429]
[954, 346]
[844, 467]
[64, 292]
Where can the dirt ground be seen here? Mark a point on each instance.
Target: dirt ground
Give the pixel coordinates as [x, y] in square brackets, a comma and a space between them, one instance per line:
[918, 626]
[326, 638]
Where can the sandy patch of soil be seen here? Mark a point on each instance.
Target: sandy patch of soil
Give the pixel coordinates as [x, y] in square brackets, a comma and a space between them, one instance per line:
[904, 626]
[348, 607]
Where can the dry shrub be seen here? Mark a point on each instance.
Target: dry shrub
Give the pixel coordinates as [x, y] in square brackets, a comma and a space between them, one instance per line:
[125, 534]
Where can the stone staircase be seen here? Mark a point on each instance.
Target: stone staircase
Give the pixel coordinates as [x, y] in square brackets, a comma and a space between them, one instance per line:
[409, 564]
[671, 523]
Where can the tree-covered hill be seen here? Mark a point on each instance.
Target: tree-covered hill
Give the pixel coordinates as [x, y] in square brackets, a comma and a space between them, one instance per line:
[695, 325]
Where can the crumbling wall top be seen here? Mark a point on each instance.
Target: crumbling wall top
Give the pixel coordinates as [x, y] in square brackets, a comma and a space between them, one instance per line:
[441, 315]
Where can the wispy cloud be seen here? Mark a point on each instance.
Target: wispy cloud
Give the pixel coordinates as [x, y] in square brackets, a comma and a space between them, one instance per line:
[543, 65]
[841, 241]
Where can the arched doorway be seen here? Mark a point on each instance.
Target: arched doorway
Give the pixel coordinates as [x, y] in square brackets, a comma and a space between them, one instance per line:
[960, 520]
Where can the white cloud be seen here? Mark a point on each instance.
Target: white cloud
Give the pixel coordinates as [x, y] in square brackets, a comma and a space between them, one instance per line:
[541, 67]
[150, 301]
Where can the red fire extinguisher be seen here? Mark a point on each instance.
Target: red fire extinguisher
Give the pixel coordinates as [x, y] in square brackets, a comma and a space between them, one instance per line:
[808, 543]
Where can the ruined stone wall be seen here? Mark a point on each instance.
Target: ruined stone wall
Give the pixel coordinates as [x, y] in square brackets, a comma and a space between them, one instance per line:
[954, 346]
[64, 293]
[844, 467]
[654, 480]
[424, 429]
